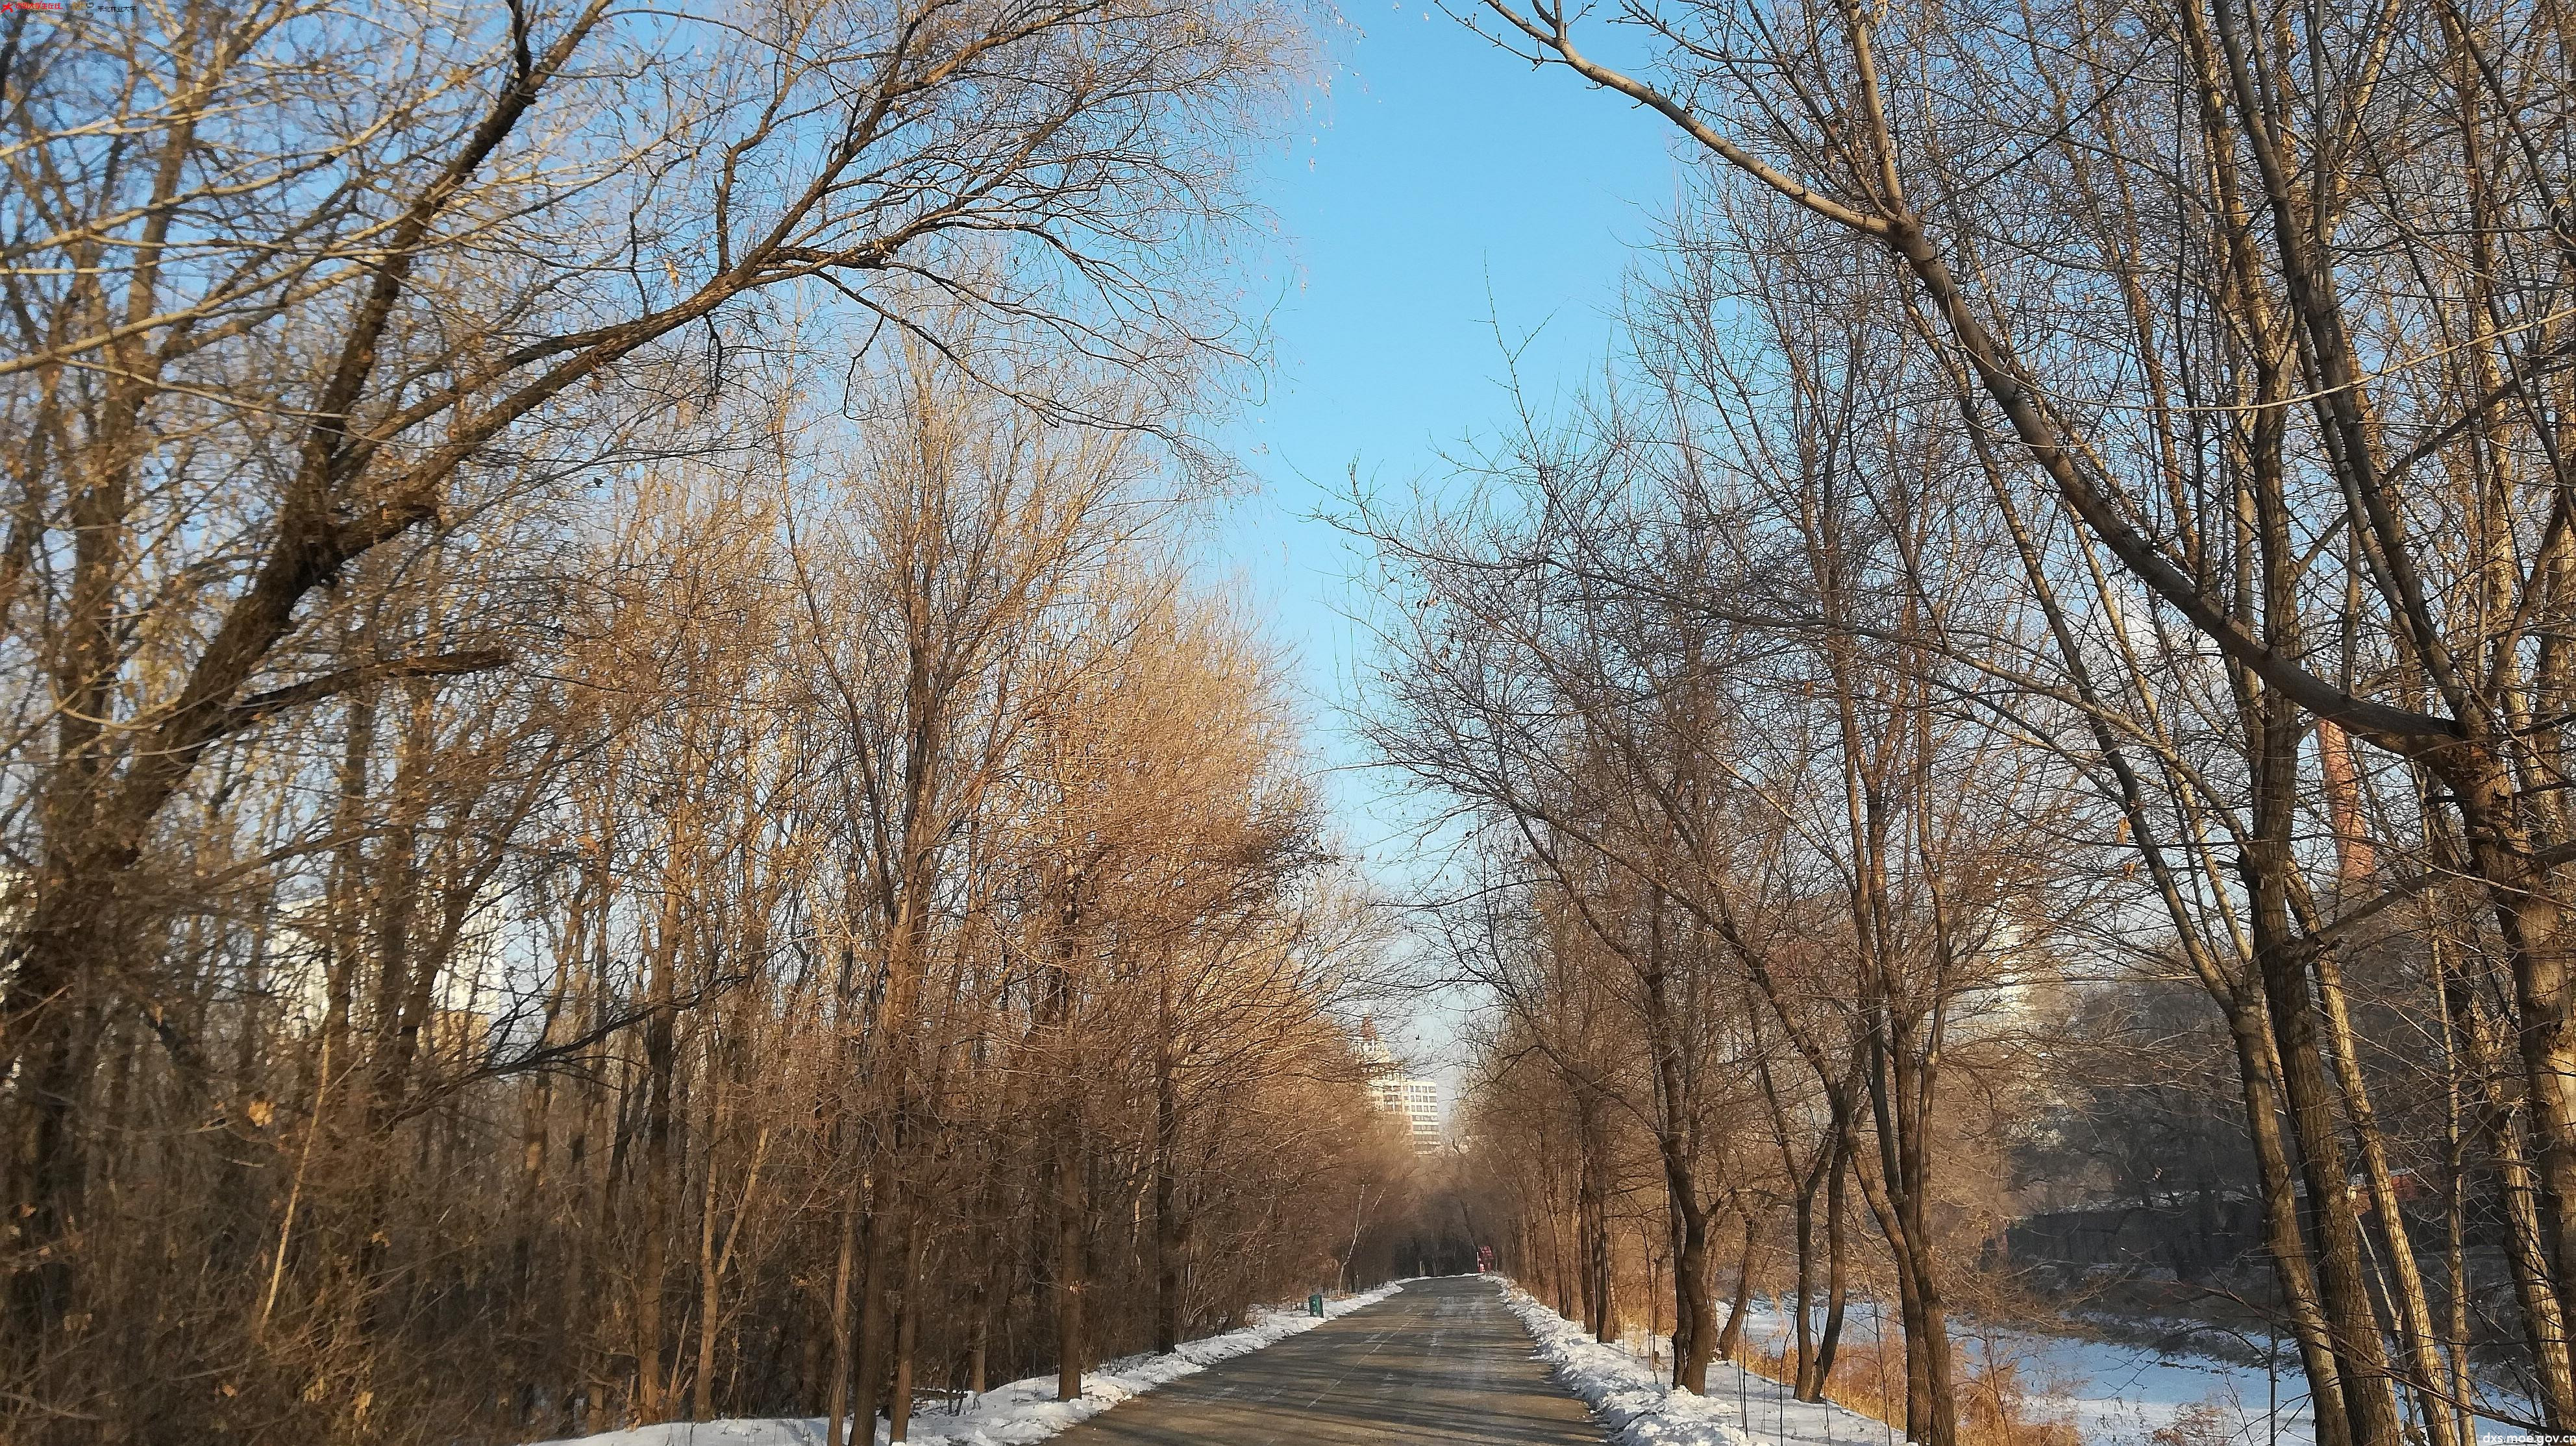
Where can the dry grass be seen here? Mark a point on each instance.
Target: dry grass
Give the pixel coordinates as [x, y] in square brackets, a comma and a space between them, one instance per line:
[1998, 1405]
[2204, 1423]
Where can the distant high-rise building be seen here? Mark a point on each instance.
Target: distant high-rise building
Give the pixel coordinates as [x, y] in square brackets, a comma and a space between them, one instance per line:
[1418, 1100]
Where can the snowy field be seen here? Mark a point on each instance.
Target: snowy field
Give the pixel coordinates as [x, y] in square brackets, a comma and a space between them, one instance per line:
[1011, 1415]
[2113, 1393]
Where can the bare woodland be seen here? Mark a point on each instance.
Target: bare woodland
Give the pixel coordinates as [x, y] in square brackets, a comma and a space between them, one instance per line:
[2043, 673]
[620, 803]
[617, 804]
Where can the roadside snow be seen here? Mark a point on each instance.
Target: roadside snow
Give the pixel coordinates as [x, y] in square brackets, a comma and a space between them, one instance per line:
[1020, 1412]
[1742, 1408]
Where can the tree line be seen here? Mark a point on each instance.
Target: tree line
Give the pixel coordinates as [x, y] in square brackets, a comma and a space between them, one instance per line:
[620, 803]
[2056, 623]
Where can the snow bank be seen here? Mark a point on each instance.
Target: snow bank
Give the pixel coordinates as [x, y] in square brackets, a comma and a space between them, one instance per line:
[1020, 1412]
[1742, 1408]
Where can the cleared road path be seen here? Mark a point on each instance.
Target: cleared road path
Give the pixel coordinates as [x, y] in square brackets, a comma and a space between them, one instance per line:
[1439, 1361]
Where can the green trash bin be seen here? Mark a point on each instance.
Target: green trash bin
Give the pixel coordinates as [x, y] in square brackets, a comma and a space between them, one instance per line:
[1315, 1305]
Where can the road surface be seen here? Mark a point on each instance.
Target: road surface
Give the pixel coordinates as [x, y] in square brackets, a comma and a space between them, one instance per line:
[1439, 1361]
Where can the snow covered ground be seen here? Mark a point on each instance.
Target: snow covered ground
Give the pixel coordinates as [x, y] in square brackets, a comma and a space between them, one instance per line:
[1629, 1395]
[2116, 1393]
[1020, 1412]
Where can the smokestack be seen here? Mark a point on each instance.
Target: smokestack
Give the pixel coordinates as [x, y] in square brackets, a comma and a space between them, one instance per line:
[2355, 859]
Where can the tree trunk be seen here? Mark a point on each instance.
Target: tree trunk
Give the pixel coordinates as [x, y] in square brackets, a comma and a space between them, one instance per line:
[907, 1337]
[2414, 1311]
[703, 1386]
[651, 1261]
[1835, 1276]
[979, 1337]
[1802, 1324]
[1067, 1144]
[2534, 926]
[867, 1391]
[2283, 962]
[1694, 1313]
[50, 1170]
[1170, 1230]
[1732, 1335]
[2518, 1185]
[845, 1264]
[1068, 1266]
[1931, 1408]
[1600, 1306]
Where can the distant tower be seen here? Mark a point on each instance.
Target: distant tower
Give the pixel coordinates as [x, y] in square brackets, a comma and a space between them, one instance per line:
[1418, 1100]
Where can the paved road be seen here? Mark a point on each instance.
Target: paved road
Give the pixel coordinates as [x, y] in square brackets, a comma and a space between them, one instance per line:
[1439, 1361]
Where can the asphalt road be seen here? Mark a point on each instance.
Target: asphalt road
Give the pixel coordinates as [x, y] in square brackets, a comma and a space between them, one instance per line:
[1439, 1361]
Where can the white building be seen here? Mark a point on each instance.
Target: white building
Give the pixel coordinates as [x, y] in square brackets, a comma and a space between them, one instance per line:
[1418, 1100]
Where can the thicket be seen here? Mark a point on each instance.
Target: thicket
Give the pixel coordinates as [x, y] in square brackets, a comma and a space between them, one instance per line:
[2081, 528]
[616, 802]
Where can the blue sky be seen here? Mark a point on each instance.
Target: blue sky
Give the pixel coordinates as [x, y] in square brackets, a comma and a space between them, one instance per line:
[1435, 189]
